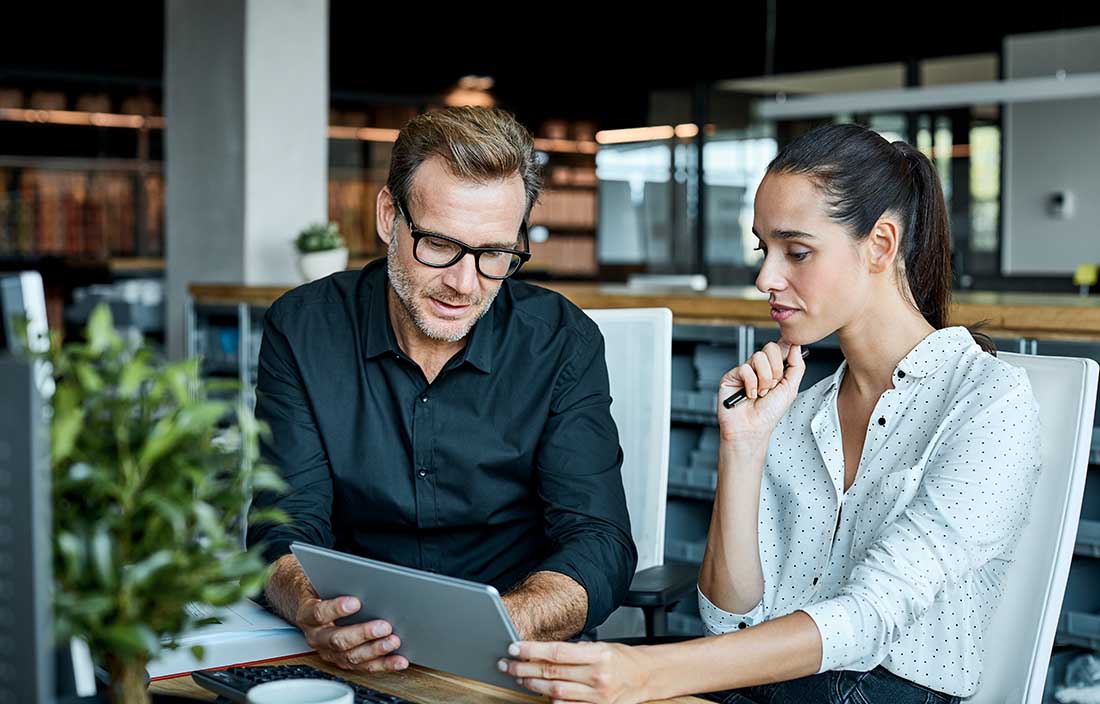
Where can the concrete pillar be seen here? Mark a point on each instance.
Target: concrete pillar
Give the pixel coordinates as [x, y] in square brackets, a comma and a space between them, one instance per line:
[246, 144]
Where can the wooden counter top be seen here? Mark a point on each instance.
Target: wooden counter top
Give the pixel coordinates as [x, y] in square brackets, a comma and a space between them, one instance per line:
[417, 684]
[1032, 315]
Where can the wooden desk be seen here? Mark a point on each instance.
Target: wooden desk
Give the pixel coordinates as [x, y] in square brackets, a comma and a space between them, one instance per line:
[417, 683]
[1041, 316]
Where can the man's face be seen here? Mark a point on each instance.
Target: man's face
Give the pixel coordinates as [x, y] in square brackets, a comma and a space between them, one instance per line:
[445, 303]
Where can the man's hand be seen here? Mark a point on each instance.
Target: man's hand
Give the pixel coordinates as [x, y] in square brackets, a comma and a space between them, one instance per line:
[362, 646]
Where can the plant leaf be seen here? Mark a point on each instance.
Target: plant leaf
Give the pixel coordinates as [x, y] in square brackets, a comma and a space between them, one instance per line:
[100, 330]
[102, 552]
[66, 427]
[207, 519]
[131, 639]
[132, 377]
[88, 377]
[164, 436]
[202, 415]
[73, 555]
[220, 594]
[139, 574]
[264, 479]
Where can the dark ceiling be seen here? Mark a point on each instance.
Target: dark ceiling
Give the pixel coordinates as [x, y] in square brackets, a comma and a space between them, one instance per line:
[566, 62]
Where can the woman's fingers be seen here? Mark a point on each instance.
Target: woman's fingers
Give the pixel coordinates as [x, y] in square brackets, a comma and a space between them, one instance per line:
[775, 355]
[546, 670]
[561, 691]
[561, 653]
[796, 366]
[763, 368]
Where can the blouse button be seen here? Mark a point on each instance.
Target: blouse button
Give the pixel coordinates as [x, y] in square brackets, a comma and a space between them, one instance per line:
[901, 374]
[742, 625]
[882, 420]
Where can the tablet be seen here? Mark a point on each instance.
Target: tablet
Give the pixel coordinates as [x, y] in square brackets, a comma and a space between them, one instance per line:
[444, 623]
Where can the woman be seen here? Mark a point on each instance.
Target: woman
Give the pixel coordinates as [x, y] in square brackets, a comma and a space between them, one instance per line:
[861, 531]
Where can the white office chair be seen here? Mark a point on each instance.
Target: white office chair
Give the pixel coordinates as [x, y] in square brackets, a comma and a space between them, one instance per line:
[1021, 635]
[638, 348]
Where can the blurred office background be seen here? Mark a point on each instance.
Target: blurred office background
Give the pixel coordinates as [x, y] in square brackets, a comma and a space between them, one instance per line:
[148, 147]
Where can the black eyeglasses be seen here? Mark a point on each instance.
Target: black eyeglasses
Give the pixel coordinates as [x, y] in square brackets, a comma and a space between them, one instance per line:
[440, 251]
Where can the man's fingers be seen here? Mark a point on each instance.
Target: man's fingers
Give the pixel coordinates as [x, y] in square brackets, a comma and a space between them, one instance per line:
[392, 663]
[323, 611]
[343, 638]
[373, 650]
[387, 663]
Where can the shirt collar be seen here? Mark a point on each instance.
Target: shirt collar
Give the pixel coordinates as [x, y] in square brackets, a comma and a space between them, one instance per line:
[935, 350]
[380, 338]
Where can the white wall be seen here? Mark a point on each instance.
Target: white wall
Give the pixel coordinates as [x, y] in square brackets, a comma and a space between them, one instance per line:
[1051, 146]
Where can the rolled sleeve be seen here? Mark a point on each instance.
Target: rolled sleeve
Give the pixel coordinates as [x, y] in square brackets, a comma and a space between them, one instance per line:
[970, 507]
[717, 620]
[580, 484]
[834, 620]
[293, 447]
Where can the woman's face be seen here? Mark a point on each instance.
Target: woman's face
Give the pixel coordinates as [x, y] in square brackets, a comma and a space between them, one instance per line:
[813, 270]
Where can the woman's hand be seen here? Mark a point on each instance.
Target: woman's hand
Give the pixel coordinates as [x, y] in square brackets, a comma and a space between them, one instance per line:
[600, 673]
[769, 392]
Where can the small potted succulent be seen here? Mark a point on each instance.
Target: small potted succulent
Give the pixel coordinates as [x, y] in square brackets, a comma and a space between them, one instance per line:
[321, 251]
[152, 471]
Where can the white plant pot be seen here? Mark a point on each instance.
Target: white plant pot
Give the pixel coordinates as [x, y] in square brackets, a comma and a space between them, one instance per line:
[317, 265]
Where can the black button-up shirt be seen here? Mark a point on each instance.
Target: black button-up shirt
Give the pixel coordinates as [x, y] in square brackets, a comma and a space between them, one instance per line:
[507, 464]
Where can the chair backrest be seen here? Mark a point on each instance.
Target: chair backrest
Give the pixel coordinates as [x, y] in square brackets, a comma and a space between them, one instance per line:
[1021, 635]
[638, 348]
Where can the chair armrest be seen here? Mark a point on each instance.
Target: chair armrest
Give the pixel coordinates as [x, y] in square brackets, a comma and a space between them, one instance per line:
[663, 585]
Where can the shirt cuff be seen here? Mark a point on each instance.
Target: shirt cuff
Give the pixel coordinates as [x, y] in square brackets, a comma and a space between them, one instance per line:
[839, 644]
[590, 579]
[717, 621]
[276, 548]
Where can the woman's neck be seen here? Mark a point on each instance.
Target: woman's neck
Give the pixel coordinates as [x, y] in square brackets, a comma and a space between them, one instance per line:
[876, 340]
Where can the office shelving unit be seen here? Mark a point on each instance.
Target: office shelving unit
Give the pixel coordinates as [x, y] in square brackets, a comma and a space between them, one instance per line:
[105, 202]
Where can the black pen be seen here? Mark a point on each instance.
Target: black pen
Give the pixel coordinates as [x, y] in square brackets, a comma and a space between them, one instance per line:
[740, 395]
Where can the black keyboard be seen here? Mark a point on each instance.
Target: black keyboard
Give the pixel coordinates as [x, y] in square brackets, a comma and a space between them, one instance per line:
[233, 683]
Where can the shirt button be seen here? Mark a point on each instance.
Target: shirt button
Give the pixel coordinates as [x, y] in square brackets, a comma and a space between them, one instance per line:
[901, 374]
[815, 581]
[424, 399]
[742, 625]
[882, 420]
[422, 472]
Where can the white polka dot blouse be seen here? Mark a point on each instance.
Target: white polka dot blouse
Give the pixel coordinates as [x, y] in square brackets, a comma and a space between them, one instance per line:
[906, 567]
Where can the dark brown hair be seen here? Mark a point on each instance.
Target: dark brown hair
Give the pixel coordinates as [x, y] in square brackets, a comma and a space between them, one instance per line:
[863, 177]
[477, 144]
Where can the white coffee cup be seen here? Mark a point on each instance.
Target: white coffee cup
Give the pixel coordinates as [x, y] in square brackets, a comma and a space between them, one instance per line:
[301, 691]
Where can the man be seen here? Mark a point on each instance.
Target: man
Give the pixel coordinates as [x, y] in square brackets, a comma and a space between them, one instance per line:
[430, 411]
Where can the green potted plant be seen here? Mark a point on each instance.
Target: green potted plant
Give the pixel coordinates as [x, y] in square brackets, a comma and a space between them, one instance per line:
[321, 251]
[152, 472]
